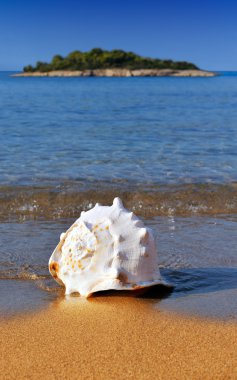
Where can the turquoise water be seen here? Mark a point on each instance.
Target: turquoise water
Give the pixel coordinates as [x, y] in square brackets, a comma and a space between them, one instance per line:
[141, 130]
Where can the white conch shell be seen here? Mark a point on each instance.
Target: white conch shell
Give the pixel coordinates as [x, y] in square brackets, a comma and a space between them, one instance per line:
[106, 248]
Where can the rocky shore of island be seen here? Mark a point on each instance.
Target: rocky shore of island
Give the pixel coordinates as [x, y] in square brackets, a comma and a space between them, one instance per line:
[119, 73]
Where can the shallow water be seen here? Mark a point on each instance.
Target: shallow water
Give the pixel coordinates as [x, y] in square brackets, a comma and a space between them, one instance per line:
[197, 255]
[166, 146]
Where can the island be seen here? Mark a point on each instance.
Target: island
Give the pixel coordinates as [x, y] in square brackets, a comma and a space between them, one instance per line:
[115, 63]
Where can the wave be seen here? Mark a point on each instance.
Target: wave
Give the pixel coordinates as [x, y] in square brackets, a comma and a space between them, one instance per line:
[38, 274]
[19, 203]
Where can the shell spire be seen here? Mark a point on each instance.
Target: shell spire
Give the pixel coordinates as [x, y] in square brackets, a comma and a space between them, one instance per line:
[106, 248]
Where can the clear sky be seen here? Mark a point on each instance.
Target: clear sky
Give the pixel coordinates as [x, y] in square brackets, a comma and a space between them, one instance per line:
[203, 32]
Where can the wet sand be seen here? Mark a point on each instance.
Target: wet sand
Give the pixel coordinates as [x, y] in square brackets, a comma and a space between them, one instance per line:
[116, 338]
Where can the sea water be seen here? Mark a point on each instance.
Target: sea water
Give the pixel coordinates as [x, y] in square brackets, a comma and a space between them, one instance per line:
[167, 146]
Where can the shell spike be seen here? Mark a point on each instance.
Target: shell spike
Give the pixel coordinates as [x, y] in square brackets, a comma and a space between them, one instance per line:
[117, 202]
[144, 235]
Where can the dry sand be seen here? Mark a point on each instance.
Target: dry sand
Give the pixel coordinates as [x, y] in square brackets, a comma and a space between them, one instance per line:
[115, 338]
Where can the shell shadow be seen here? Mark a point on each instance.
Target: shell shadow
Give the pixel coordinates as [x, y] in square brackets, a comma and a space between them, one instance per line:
[153, 292]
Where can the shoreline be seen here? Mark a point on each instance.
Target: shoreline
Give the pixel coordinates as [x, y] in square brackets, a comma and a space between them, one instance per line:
[115, 337]
[119, 73]
[37, 201]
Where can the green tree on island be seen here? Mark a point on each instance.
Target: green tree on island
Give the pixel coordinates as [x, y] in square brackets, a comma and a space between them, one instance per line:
[104, 59]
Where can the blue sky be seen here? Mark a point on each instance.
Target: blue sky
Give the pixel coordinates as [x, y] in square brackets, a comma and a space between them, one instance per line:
[203, 32]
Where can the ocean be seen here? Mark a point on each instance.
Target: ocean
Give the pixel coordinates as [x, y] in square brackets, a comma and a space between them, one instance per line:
[166, 146]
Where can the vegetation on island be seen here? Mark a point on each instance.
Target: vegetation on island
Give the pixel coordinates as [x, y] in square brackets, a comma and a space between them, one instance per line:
[104, 59]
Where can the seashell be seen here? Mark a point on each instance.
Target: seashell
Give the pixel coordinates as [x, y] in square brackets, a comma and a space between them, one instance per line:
[108, 247]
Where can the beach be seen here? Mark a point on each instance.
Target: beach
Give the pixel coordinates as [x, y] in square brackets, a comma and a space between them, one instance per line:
[116, 338]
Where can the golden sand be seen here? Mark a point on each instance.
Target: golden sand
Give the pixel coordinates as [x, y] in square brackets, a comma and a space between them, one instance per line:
[115, 338]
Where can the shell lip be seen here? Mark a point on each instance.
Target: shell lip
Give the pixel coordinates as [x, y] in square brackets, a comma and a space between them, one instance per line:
[144, 284]
[134, 288]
